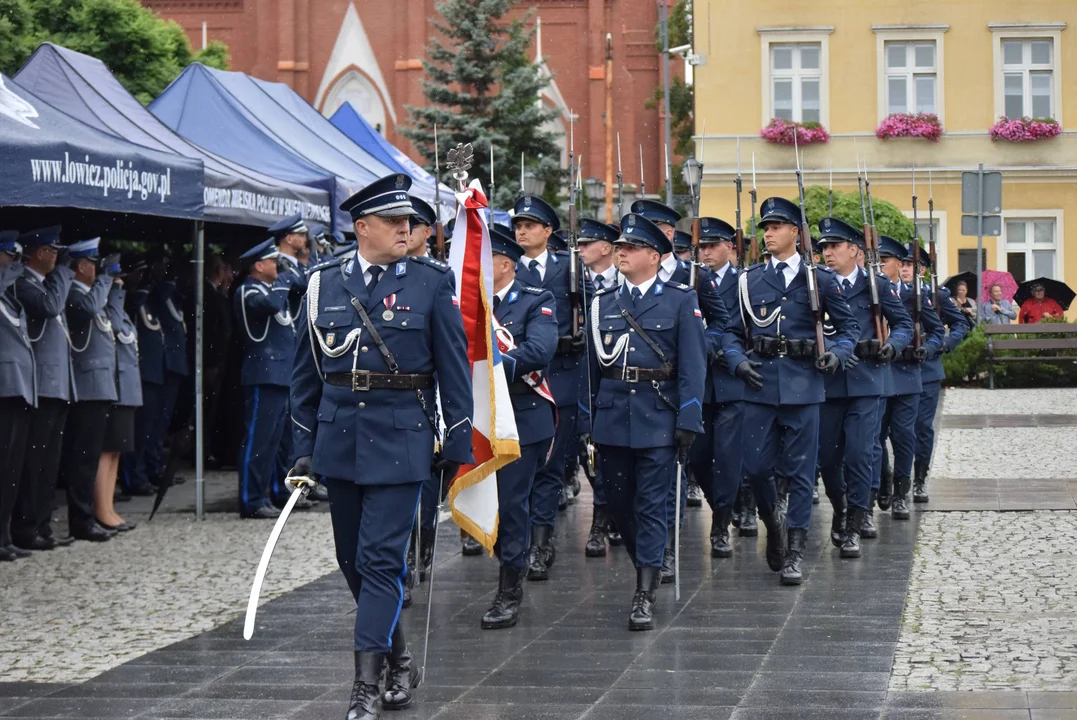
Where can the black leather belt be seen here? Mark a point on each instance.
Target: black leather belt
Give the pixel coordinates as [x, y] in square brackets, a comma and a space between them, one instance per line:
[770, 347]
[866, 349]
[363, 380]
[636, 374]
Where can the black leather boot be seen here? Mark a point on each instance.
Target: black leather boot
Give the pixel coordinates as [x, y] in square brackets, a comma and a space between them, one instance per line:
[401, 675]
[919, 488]
[365, 702]
[643, 602]
[749, 524]
[783, 494]
[613, 534]
[694, 496]
[426, 554]
[720, 520]
[469, 545]
[794, 554]
[850, 542]
[408, 583]
[669, 573]
[886, 488]
[540, 554]
[868, 531]
[510, 593]
[776, 539]
[596, 539]
[899, 508]
[837, 523]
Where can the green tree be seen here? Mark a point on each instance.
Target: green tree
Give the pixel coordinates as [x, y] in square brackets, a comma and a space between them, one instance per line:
[888, 218]
[482, 89]
[142, 50]
[681, 99]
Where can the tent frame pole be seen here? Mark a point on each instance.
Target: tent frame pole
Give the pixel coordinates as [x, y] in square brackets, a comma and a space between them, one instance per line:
[199, 295]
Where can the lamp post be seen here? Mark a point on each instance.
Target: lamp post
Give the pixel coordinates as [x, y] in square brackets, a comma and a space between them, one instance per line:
[692, 172]
[596, 192]
[533, 184]
[629, 196]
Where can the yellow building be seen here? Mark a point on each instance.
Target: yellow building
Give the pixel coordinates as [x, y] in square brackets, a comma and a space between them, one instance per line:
[849, 64]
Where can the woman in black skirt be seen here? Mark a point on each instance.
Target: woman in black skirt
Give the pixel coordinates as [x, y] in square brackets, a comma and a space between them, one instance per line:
[120, 432]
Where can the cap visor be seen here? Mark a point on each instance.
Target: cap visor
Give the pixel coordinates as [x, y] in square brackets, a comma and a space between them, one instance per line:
[396, 212]
[529, 216]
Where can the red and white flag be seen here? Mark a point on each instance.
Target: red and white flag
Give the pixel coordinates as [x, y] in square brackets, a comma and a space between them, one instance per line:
[495, 440]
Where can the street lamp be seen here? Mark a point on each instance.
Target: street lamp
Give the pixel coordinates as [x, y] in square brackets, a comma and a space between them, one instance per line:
[533, 184]
[692, 172]
[628, 196]
[596, 192]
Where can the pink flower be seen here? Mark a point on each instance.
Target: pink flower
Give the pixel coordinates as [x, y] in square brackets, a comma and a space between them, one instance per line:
[1024, 129]
[781, 132]
[920, 125]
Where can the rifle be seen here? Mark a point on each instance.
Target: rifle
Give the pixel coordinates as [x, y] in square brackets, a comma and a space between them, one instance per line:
[754, 251]
[693, 267]
[931, 244]
[738, 237]
[439, 229]
[809, 261]
[642, 182]
[917, 294]
[620, 184]
[573, 247]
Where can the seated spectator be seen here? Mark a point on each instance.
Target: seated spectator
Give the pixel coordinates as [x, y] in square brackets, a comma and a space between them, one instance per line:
[1039, 307]
[997, 311]
[964, 303]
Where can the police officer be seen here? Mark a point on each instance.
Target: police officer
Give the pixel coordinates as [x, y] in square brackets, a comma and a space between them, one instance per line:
[847, 419]
[931, 376]
[773, 349]
[378, 327]
[682, 245]
[18, 394]
[534, 221]
[42, 291]
[649, 360]
[527, 315]
[260, 306]
[167, 302]
[422, 227]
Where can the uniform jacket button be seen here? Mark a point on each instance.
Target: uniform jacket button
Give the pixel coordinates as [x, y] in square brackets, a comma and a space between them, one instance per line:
[362, 405]
[364, 348]
[631, 392]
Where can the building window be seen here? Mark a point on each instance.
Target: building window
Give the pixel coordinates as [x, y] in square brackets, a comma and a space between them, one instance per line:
[911, 77]
[966, 260]
[1031, 248]
[1028, 77]
[796, 81]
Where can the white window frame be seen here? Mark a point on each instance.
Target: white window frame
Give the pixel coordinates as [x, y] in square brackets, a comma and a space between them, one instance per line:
[795, 36]
[912, 33]
[1057, 215]
[1052, 31]
[941, 245]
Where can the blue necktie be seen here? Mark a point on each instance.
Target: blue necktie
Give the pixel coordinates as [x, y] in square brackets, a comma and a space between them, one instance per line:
[636, 295]
[780, 270]
[847, 286]
[533, 267]
[600, 282]
[375, 273]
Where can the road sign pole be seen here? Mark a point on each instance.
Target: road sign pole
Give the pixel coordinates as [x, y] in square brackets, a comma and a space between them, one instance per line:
[980, 230]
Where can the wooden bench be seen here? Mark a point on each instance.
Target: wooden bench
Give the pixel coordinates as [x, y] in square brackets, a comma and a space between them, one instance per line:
[997, 340]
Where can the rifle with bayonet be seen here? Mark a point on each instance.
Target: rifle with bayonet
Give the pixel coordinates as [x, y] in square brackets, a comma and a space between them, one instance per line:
[738, 236]
[642, 182]
[931, 244]
[917, 294]
[620, 184]
[439, 229]
[809, 262]
[573, 247]
[693, 268]
[871, 260]
[753, 194]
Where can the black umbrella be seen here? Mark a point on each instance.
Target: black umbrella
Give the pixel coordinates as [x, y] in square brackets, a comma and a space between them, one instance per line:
[969, 278]
[1057, 290]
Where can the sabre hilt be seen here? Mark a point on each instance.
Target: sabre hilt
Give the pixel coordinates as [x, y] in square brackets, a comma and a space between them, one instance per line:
[305, 483]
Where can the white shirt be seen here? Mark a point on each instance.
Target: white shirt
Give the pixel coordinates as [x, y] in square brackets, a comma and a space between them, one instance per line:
[365, 267]
[720, 272]
[541, 259]
[643, 286]
[792, 267]
[668, 266]
[609, 276]
[503, 292]
[851, 277]
[81, 286]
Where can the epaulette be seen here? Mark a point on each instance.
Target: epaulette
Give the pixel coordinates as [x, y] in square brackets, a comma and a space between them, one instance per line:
[819, 267]
[606, 290]
[532, 290]
[323, 265]
[430, 262]
[677, 285]
[757, 266]
[560, 253]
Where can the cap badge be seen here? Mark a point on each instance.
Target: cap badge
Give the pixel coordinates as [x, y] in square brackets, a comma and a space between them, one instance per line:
[631, 219]
[399, 181]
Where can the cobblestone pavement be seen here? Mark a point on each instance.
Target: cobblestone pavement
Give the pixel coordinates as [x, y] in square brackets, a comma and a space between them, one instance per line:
[992, 604]
[72, 613]
[1052, 401]
[1006, 453]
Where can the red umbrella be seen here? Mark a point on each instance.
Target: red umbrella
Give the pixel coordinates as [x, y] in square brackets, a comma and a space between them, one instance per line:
[1001, 278]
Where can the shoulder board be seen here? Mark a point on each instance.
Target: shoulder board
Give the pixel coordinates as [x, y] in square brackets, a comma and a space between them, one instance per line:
[606, 290]
[561, 253]
[430, 262]
[532, 290]
[677, 285]
[323, 265]
[823, 269]
[756, 267]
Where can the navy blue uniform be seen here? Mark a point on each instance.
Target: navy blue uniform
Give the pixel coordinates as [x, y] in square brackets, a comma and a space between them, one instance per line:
[635, 419]
[151, 414]
[268, 350]
[294, 276]
[931, 377]
[527, 313]
[165, 305]
[374, 447]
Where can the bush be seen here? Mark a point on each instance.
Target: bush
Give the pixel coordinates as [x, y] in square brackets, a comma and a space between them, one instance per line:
[967, 364]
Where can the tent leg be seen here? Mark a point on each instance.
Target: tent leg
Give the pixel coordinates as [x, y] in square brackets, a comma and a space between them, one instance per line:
[199, 294]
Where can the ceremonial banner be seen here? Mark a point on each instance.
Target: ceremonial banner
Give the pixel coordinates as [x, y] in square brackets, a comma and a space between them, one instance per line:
[495, 440]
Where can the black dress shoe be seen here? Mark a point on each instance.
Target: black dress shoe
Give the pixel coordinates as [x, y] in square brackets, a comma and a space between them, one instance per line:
[265, 512]
[470, 546]
[899, 506]
[510, 593]
[868, 531]
[18, 552]
[122, 527]
[540, 553]
[401, 675]
[60, 542]
[850, 542]
[319, 493]
[694, 496]
[365, 703]
[92, 533]
[31, 543]
[613, 534]
[7, 554]
[645, 599]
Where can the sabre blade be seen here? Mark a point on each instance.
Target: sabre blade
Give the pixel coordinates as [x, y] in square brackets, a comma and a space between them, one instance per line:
[263, 563]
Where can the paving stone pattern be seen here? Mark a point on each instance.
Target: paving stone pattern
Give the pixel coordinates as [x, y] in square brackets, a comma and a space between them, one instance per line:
[1050, 401]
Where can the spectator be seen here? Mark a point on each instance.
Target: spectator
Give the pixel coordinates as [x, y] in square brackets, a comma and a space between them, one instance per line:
[964, 303]
[1039, 307]
[997, 311]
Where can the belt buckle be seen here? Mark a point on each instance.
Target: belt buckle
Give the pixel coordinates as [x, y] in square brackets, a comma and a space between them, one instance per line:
[360, 380]
[632, 374]
[783, 347]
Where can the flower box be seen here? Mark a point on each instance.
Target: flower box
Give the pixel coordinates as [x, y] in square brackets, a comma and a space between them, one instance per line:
[781, 132]
[1024, 129]
[908, 125]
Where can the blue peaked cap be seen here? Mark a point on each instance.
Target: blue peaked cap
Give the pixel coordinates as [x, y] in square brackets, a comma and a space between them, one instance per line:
[424, 214]
[9, 242]
[889, 247]
[84, 248]
[289, 225]
[925, 258]
[591, 230]
[778, 209]
[264, 250]
[502, 242]
[532, 207]
[557, 240]
[385, 197]
[713, 230]
[638, 230]
[655, 211]
[833, 230]
[40, 237]
[681, 240]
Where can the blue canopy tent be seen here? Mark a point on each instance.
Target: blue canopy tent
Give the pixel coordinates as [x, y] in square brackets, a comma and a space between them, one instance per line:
[230, 115]
[352, 124]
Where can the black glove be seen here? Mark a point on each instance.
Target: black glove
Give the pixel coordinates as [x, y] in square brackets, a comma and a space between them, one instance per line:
[445, 468]
[300, 473]
[921, 353]
[579, 342]
[852, 362]
[886, 353]
[683, 439]
[746, 371]
[827, 363]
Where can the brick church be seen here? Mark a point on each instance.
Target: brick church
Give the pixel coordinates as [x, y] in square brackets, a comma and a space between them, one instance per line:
[368, 53]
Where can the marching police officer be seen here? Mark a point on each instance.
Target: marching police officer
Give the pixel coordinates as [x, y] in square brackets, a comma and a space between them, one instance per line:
[534, 222]
[847, 419]
[377, 327]
[18, 394]
[649, 360]
[931, 376]
[773, 349]
[526, 314]
[42, 291]
[260, 306]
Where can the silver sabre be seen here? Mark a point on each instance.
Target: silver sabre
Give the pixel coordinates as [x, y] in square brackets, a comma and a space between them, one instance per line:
[302, 485]
[677, 536]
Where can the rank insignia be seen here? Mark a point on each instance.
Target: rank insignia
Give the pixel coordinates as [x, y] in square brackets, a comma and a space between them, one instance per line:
[608, 339]
[401, 268]
[330, 338]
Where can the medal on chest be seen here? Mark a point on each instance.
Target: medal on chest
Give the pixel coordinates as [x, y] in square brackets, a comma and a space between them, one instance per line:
[388, 302]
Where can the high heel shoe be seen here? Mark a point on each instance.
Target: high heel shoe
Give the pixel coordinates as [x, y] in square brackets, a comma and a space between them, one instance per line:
[122, 527]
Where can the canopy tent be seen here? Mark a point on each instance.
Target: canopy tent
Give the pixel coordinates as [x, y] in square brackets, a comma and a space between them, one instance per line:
[230, 115]
[53, 160]
[83, 87]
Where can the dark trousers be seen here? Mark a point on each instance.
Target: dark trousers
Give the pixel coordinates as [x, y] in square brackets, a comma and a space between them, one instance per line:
[598, 486]
[40, 465]
[899, 424]
[429, 502]
[877, 449]
[782, 441]
[371, 528]
[925, 423]
[84, 436]
[136, 471]
[847, 439]
[546, 490]
[162, 423]
[728, 454]
[264, 413]
[278, 491]
[701, 455]
[638, 483]
[14, 426]
[513, 503]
